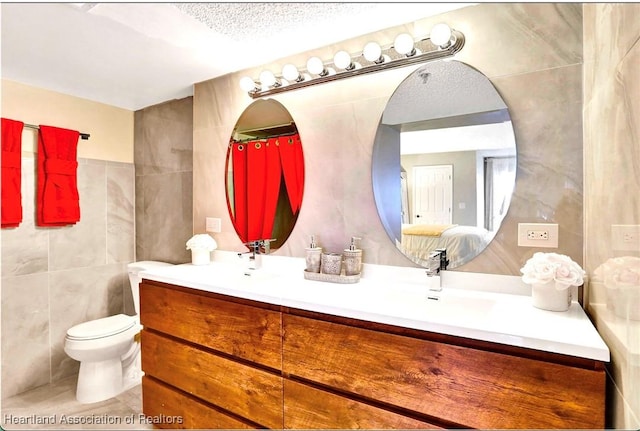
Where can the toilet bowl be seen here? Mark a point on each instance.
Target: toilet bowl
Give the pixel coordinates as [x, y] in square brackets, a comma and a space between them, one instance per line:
[106, 348]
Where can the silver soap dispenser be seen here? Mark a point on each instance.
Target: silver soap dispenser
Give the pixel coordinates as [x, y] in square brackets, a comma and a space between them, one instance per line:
[352, 258]
[312, 257]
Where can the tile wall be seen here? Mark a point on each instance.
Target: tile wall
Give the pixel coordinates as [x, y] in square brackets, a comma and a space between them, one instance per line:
[163, 158]
[54, 278]
[612, 192]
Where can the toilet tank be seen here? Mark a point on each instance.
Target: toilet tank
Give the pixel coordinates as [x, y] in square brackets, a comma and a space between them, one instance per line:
[134, 279]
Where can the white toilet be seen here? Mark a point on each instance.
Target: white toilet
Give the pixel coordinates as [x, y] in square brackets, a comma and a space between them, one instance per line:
[109, 357]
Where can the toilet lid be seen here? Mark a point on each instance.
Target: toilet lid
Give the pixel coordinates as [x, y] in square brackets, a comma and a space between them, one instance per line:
[102, 327]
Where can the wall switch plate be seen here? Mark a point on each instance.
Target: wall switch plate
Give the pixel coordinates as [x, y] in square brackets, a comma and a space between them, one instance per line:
[625, 237]
[213, 225]
[538, 235]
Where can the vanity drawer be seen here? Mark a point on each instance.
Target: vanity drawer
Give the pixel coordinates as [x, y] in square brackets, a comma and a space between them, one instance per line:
[462, 386]
[245, 331]
[243, 390]
[160, 401]
[306, 407]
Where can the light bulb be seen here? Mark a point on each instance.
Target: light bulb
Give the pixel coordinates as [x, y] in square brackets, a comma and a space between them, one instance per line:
[404, 44]
[291, 74]
[372, 52]
[441, 35]
[247, 84]
[342, 60]
[267, 78]
[316, 66]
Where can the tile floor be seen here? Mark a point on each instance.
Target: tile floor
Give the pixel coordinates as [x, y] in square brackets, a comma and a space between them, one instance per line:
[54, 407]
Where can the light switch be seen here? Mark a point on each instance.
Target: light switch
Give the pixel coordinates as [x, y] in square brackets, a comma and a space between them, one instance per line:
[213, 225]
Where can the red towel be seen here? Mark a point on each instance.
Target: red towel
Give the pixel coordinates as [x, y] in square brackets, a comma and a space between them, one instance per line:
[11, 172]
[57, 200]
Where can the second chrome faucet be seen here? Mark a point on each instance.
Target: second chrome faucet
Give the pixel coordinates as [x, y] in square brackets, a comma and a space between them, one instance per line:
[436, 263]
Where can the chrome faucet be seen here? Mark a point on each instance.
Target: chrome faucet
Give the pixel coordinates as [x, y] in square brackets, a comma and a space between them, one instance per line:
[256, 249]
[436, 263]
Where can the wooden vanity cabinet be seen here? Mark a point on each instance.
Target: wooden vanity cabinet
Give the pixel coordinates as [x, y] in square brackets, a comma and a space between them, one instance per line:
[223, 362]
[439, 379]
[203, 352]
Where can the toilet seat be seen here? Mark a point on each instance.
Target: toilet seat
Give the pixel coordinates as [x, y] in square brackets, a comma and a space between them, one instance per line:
[101, 328]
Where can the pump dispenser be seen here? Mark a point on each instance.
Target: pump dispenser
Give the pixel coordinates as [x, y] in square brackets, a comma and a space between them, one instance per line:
[352, 258]
[313, 254]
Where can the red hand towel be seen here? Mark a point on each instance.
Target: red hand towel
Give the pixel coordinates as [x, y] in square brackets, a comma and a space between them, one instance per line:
[57, 201]
[11, 172]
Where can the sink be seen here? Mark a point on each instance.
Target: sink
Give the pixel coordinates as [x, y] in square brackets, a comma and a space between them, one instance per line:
[451, 304]
[232, 275]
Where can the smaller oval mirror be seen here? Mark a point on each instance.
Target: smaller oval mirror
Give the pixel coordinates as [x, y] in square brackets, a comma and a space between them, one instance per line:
[264, 173]
[444, 163]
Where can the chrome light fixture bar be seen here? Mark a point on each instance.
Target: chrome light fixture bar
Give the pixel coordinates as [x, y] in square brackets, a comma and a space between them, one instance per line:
[443, 42]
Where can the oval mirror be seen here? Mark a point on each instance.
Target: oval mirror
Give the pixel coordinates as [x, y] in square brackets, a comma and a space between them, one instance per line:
[444, 163]
[264, 173]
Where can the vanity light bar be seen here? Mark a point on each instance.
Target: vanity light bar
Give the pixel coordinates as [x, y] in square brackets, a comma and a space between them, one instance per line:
[399, 54]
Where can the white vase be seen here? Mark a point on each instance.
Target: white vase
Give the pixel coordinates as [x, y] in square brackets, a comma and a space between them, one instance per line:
[200, 256]
[546, 297]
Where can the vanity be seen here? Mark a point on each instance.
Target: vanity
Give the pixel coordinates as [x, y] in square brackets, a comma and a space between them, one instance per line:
[223, 350]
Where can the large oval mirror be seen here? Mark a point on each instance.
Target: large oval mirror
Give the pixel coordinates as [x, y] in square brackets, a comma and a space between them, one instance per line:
[264, 173]
[444, 163]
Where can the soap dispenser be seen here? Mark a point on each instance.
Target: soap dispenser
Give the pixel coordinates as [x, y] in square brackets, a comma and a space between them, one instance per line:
[352, 258]
[313, 254]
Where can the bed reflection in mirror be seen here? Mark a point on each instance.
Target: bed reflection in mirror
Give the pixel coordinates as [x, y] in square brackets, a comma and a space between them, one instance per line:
[444, 163]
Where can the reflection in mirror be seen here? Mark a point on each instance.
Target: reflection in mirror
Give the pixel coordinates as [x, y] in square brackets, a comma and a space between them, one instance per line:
[444, 163]
[264, 173]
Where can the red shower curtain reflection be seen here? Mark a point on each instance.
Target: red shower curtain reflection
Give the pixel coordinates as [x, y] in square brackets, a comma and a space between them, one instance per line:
[272, 187]
[239, 159]
[256, 164]
[258, 168]
[292, 168]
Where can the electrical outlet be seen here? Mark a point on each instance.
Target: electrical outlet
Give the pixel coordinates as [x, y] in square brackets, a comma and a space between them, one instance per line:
[538, 235]
[625, 237]
[213, 225]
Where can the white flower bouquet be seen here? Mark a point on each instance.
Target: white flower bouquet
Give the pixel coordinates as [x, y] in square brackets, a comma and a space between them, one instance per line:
[201, 246]
[543, 268]
[202, 241]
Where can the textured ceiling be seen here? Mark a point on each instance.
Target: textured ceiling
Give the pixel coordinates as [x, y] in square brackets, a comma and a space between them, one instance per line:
[133, 55]
[442, 89]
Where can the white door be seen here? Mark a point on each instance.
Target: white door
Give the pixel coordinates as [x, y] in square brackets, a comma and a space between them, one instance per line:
[433, 194]
[404, 197]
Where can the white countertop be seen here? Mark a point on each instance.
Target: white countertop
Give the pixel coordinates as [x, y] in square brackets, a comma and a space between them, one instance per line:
[398, 296]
